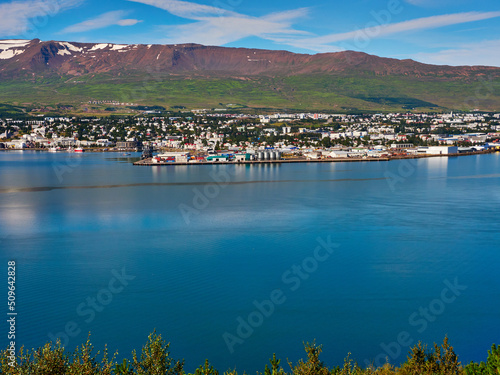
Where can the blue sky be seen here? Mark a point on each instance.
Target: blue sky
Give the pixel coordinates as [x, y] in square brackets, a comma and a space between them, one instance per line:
[452, 32]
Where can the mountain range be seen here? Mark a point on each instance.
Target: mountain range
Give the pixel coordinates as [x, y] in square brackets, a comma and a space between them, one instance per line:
[194, 76]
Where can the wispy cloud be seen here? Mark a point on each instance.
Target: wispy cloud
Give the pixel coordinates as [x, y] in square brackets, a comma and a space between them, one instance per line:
[104, 20]
[186, 9]
[482, 53]
[434, 3]
[223, 30]
[218, 26]
[16, 15]
[419, 2]
[322, 43]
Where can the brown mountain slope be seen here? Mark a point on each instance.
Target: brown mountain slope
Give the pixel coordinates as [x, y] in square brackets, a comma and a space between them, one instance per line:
[32, 71]
[64, 58]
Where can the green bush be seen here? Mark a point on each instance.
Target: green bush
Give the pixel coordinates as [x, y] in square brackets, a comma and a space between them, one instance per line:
[155, 359]
[491, 367]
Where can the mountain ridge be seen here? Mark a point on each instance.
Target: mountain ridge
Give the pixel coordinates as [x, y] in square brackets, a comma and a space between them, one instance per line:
[200, 57]
[284, 74]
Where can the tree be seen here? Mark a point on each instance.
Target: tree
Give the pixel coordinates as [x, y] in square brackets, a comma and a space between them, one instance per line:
[442, 360]
[155, 358]
[123, 368]
[206, 369]
[313, 366]
[275, 369]
[84, 362]
[491, 367]
[326, 142]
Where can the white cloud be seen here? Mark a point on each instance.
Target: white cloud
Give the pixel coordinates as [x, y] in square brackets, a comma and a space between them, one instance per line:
[419, 2]
[186, 9]
[435, 3]
[128, 22]
[217, 26]
[223, 30]
[360, 36]
[104, 20]
[24, 17]
[481, 53]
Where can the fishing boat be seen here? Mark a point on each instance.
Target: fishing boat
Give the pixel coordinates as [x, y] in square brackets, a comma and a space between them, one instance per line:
[79, 149]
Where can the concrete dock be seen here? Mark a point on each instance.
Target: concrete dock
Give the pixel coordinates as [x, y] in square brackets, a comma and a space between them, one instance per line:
[149, 161]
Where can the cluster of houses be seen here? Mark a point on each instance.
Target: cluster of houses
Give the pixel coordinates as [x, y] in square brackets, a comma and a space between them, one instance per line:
[313, 135]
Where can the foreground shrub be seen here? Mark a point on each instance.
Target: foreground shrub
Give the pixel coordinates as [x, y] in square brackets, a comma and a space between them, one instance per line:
[442, 360]
[155, 359]
[491, 367]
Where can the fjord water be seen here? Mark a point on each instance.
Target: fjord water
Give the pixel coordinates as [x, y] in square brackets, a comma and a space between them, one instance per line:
[203, 255]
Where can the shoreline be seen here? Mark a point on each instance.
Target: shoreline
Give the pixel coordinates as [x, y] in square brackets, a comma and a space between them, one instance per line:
[148, 161]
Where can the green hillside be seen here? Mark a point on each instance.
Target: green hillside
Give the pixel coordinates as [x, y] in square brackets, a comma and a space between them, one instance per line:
[328, 92]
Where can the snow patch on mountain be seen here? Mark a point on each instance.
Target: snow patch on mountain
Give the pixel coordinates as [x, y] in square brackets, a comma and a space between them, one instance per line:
[99, 46]
[8, 54]
[117, 47]
[70, 47]
[12, 47]
[14, 43]
[63, 52]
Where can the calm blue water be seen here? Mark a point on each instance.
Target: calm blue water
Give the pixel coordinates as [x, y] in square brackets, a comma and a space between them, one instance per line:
[202, 253]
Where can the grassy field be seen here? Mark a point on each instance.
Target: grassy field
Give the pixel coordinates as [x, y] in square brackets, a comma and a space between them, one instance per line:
[301, 92]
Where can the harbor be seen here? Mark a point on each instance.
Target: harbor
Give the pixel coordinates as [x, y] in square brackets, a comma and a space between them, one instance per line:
[185, 159]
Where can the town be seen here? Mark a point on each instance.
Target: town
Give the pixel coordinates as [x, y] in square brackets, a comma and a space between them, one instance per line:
[202, 136]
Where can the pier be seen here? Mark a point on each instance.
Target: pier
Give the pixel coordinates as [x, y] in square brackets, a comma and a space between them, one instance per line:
[149, 161]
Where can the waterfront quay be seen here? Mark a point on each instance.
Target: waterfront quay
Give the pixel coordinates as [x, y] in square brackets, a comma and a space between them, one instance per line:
[149, 162]
[194, 161]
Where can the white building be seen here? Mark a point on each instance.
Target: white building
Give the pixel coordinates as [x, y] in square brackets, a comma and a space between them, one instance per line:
[313, 155]
[401, 146]
[438, 150]
[339, 154]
